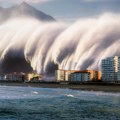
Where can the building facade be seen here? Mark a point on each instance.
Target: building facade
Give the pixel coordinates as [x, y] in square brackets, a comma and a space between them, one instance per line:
[80, 76]
[60, 75]
[14, 77]
[33, 77]
[111, 69]
[2, 77]
[68, 74]
[94, 75]
[64, 75]
[77, 75]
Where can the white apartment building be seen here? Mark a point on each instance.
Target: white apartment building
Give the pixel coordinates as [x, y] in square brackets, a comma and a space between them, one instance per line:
[111, 69]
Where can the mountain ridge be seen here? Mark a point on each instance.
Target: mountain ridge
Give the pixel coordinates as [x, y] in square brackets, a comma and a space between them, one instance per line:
[24, 9]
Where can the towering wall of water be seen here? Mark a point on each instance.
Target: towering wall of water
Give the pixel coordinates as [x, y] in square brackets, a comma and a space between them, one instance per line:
[46, 44]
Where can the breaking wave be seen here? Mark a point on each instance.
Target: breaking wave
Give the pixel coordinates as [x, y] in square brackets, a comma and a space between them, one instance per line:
[29, 44]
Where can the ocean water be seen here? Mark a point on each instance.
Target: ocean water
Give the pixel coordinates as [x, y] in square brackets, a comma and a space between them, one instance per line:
[28, 103]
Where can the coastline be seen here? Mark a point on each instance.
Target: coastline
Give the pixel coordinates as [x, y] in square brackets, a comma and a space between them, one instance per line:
[84, 87]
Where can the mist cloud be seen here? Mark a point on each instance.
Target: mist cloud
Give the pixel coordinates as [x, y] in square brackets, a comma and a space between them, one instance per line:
[42, 45]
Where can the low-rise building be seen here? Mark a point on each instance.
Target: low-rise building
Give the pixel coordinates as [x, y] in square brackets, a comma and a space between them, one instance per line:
[68, 74]
[64, 75]
[15, 77]
[2, 77]
[33, 77]
[94, 75]
[60, 75]
[80, 76]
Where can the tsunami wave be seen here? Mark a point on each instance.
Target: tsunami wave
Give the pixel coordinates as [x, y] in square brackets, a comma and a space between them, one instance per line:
[30, 44]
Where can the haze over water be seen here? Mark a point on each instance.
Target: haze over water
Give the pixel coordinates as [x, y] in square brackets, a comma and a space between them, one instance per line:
[21, 103]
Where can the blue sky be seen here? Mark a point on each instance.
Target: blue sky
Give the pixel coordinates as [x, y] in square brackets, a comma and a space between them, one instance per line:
[70, 10]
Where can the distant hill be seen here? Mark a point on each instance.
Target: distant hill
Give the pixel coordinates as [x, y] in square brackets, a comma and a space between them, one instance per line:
[23, 10]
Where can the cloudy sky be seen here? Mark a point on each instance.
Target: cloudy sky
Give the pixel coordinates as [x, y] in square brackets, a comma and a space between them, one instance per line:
[70, 10]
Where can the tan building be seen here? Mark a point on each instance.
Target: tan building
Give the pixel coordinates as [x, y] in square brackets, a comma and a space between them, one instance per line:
[94, 75]
[65, 75]
[60, 75]
[99, 75]
[33, 77]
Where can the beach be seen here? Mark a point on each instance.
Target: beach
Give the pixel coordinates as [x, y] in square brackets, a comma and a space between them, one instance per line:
[85, 87]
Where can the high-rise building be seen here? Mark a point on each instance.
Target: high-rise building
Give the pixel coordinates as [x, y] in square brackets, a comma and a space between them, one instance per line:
[111, 69]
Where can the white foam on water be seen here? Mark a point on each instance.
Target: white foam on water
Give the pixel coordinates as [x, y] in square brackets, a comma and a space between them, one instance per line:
[12, 92]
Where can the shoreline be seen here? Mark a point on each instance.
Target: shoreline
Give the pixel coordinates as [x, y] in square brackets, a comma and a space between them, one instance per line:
[85, 87]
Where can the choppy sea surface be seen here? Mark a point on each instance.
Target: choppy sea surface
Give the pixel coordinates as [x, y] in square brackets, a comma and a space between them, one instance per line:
[28, 103]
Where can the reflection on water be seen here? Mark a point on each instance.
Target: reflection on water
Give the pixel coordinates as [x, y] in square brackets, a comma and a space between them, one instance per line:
[28, 103]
